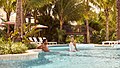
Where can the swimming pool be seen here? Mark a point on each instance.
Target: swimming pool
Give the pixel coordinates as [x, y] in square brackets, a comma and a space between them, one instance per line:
[60, 57]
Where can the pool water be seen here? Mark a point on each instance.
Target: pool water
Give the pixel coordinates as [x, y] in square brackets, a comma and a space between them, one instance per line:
[60, 57]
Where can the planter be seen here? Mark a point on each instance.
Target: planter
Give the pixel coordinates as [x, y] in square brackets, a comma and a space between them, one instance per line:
[30, 54]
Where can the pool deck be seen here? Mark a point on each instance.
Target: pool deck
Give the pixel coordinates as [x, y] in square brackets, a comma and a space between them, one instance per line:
[105, 45]
[30, 54]
[59, 45]
[96, 45]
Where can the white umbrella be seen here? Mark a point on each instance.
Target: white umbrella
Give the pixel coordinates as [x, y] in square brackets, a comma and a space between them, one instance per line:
[39, 26]
[1, 25]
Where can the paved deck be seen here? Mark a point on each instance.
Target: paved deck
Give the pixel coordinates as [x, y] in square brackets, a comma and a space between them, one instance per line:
[100, 45]
[30, 54]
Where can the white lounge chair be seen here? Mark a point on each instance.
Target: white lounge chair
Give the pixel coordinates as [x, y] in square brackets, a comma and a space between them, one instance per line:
[110, 42]
[35, 40]
[44, 37]
[40, 39]
[50, 43]
[30, 38]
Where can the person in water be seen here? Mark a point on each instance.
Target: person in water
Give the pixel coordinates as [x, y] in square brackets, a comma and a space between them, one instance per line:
[72, 45]
[44, 46]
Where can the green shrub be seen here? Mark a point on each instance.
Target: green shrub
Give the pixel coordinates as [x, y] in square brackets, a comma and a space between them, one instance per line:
[68, 39]
[12, 48]
[18, 48]
[31, 46]
[5, 49]
[78, 39]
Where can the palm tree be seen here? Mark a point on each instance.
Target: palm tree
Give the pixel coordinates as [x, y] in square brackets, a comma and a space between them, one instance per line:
[19, 18]
[8, 6]
[86, 16]
[118, 20]
[32, 6]
[67, 10]
[107, 6]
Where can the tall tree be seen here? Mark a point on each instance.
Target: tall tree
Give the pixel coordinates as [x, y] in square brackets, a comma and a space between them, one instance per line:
[19, 17]
[86, 16]
[106, 6]
[67, 10]
[118, 20]
[8, 6]
[36, 5]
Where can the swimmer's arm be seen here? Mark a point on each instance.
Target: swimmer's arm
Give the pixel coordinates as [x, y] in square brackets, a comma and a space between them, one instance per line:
[75, 46]
[39, 47]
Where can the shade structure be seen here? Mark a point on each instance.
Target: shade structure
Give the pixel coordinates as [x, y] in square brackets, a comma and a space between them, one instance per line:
[2, 25]
[40, 26]
[9, 23]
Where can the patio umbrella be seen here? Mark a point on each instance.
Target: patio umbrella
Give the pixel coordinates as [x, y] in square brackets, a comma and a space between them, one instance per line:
[40, 26]
[2, 25]
[9, 23]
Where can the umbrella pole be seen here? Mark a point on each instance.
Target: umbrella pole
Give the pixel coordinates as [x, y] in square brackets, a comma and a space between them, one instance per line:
[8, 28]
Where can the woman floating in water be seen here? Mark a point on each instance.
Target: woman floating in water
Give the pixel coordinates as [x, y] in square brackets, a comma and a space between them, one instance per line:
[44, 46]
[72, 45]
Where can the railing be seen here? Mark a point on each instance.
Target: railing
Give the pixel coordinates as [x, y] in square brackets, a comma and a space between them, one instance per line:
[52, 43]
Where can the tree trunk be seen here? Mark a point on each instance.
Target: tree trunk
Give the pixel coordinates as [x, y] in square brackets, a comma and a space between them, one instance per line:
[107, 23]
[61, 24]
[87, 24]
[35, 16]
[88, 33]
[19, 19]
[8, 19]
[8, 16]
[107, 29]
[118, 20]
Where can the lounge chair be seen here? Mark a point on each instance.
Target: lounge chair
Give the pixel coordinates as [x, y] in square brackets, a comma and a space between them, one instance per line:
[31, 40]
[35, 40]
[40, 39]
[44, 37]
[110, 42]
[50, 43]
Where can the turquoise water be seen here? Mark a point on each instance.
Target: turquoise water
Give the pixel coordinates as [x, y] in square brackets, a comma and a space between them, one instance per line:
[60, 57]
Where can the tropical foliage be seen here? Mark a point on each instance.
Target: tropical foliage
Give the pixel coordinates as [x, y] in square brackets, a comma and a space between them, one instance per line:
[107, 7]
[8, 47]
[67, 10]
[98, 14]
[8, 6]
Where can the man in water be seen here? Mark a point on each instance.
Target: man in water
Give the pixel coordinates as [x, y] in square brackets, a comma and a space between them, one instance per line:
[72, 45]
[44, 46]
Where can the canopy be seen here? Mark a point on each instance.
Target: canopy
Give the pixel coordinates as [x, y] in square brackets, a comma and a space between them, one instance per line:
[1, 25]
[40, 26]
[9, 23]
